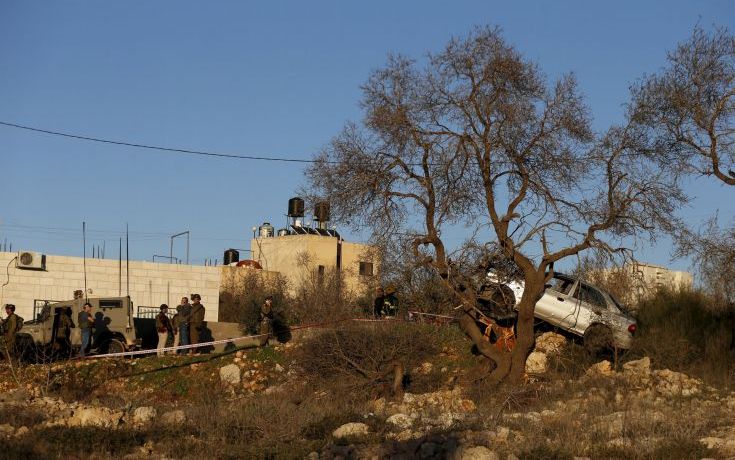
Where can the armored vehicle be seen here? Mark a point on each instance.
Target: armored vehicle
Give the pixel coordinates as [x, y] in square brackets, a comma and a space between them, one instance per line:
[113, 331]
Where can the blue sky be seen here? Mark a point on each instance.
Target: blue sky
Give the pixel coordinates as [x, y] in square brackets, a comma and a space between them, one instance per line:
[267, 79]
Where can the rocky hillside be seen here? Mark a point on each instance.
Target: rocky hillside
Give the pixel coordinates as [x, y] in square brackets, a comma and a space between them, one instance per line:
[264, 403]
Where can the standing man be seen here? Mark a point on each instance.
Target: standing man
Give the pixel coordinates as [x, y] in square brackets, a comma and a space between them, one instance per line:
[196, 321]
[175, 323]
[266, 320]
[63, 331]
[184, 312]
[378, 303]
[84, 319]
[390, 302]
[163, 326]
[10, 328]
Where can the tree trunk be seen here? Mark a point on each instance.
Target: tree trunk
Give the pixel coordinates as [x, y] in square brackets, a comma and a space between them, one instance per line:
[524, 329]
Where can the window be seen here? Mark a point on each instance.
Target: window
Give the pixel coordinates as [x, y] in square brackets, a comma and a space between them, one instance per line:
[110, 303]
[561, 285]
[591, 296]
[366, 268]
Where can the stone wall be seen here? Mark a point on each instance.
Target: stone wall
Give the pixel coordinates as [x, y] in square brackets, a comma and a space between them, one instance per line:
[151, 284]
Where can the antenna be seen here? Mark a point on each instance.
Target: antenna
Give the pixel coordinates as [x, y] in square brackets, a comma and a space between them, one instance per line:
[127, 258]
[119, 271]
[84, 252]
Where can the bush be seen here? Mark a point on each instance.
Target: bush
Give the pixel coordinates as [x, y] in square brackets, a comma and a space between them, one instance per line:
[681, 330]
[358, 358]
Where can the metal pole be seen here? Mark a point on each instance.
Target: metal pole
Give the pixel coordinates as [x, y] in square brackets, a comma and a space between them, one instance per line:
[84, 252]
[119, 270]
[171, 250]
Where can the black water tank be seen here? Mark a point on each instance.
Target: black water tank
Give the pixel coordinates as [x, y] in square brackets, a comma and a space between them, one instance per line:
[321, 211]
[295, 207]
[231, 256]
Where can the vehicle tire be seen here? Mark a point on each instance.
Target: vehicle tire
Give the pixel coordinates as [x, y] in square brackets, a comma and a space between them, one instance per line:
[114, 346]
[598, 338]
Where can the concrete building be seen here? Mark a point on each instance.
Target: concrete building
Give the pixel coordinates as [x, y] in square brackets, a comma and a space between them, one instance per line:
[650, 277]
[151, 284]
[292, 255]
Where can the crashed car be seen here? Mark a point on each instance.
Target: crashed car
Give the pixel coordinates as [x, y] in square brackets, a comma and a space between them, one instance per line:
[576, 307]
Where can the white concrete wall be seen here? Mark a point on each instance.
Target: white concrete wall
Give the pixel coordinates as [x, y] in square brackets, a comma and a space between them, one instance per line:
[151, 284]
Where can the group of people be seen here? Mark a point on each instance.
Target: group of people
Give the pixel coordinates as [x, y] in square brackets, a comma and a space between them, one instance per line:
[186, 327]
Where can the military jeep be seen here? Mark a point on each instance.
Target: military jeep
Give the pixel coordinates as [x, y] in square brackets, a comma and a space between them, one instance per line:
[113, 330]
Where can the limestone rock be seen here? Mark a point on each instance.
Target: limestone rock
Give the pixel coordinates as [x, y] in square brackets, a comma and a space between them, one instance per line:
[400, 421]
[6, 429]
[550, 343]
[352, 429]
[230, 374]
[639, 366]
[603, 368]
[536, 363]
[143, 415]
[95, 416]
[477, 453]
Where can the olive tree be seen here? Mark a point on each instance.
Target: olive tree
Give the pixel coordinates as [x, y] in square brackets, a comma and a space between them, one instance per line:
[476, 135]
[690, 105]
[689, 109]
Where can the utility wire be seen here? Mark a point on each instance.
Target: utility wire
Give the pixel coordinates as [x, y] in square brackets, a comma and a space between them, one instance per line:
[154, 147]
[218, 154]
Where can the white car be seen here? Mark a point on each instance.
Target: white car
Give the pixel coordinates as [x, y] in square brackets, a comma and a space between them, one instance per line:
[584, 310]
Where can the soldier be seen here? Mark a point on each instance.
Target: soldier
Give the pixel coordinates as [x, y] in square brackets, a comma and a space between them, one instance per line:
[390, 301]
[63, 331]
[84, 319]
[163, 326]
[184, 313]
[175, 325]
[378, 304]
[10, 328]
[196, 321]
[266, 320]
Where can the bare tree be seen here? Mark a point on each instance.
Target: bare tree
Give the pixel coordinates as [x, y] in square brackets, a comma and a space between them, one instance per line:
[689, 108]
[713, 254]
[477, 136]
[690, 105]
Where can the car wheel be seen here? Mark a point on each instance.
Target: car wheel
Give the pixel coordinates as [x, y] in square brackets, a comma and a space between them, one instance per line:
[114, 346]
[598, 338]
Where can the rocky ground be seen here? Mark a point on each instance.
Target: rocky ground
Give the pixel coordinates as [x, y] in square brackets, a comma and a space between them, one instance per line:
[148, 407]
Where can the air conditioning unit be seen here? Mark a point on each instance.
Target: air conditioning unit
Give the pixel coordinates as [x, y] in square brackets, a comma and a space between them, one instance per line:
[30, 261]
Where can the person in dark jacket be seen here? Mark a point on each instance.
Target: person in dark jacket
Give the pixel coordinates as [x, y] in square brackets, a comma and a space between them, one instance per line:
[266, 320]
[378, 303]
[196, 321]
[163, 327]
[84, 320]
[63, 331]
[184, 313]
[9, 328]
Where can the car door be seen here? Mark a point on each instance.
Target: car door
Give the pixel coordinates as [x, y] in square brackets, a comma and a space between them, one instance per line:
[556, 302]
[591, 308]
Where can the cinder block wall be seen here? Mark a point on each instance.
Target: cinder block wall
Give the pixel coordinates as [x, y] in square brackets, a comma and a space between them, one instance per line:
[151, 284]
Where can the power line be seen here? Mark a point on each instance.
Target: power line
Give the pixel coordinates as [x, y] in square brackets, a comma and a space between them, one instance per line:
[154, 147]
[223, 155]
